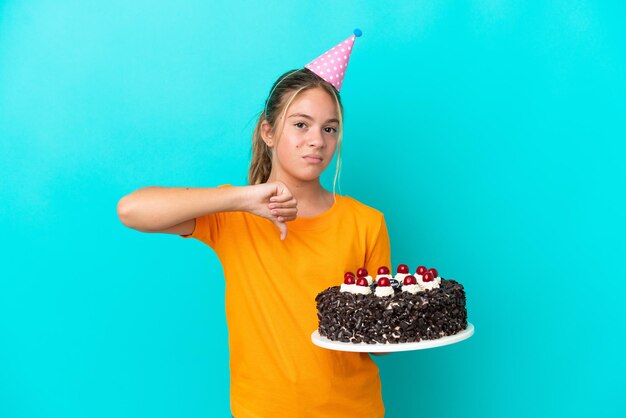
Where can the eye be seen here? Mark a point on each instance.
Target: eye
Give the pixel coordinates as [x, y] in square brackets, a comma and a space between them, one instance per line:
[330, 130]
[299, 125]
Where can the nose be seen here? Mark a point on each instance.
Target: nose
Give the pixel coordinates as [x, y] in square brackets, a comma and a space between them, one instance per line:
[315, 139]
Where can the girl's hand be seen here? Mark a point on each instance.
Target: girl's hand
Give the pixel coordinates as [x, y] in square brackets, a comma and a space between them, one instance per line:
[275, 202]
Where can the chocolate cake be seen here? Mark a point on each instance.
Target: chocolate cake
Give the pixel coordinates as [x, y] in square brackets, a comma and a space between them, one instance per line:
[407, 308]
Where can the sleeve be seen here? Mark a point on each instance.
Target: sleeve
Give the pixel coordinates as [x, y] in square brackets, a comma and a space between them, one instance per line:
[378, 247]
[208, 228]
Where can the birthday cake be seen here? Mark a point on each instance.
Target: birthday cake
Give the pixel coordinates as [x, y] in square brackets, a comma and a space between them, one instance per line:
[392, 309]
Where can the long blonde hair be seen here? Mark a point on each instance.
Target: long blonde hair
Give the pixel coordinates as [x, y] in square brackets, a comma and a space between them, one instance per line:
[283, 93]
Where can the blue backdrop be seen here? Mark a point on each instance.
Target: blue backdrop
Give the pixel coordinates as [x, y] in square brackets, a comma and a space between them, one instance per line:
[490, 133]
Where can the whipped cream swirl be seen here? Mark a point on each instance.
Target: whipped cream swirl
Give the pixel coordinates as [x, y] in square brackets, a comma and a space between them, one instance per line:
[347, 288]
[362, 290]
[380, 276]
[400, 277]
[428, 285]
[383, 291]
[411, 288]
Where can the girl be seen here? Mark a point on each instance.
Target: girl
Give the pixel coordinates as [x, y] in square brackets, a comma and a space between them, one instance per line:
[282, 239]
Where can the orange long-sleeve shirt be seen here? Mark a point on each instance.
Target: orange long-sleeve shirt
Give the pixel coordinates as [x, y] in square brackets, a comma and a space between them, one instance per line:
[271, 287]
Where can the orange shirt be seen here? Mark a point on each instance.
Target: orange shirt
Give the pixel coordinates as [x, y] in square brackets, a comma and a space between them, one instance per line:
[271, 287]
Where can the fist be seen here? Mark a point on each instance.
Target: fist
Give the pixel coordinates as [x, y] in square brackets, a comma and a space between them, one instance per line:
[273, 201]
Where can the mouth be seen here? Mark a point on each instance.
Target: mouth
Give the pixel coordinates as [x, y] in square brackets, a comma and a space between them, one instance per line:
[315, 159]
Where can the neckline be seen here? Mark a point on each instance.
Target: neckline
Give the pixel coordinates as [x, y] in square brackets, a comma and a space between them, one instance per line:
[318, 221]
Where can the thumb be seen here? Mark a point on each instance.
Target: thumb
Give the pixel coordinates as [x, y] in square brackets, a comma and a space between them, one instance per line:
[282, 227]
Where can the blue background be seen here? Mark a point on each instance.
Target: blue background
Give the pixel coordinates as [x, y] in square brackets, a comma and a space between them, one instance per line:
[490, 133]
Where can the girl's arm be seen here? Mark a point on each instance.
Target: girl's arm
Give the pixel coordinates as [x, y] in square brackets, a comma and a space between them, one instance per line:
[174, 209]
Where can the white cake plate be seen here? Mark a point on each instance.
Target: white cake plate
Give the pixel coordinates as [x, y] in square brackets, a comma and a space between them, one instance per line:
[324, 342]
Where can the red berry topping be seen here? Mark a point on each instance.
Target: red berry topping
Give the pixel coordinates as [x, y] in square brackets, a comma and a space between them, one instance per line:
[403, 268]
[348, 273]
[362, 281]
[410, 280]
[384, 281]
[383, 270]
[362, 272]
[428, 277]
[421, 270]
[349, 280]
[434, 272]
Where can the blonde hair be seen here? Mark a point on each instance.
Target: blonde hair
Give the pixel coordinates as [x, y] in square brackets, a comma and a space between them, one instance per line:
[279, 100]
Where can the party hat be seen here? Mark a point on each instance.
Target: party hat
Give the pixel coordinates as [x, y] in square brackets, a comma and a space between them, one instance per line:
[331, 65]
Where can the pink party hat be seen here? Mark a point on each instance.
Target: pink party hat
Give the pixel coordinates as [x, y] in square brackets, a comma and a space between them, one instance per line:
[331, 65]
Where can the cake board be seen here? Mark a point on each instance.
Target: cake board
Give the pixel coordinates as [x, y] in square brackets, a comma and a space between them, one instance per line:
[324, 342]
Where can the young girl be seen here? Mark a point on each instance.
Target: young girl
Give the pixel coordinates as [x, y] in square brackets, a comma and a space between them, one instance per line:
[282, 239]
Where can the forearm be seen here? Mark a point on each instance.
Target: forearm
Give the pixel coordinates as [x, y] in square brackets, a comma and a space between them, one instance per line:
[157, 208]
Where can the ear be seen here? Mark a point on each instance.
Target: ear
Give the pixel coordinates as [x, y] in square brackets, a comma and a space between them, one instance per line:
[267, 134]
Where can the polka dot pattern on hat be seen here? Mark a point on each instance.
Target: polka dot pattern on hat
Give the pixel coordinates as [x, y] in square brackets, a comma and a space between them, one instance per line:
[331, 65]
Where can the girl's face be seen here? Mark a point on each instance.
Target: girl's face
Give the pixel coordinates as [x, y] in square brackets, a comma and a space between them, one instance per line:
[308, 139]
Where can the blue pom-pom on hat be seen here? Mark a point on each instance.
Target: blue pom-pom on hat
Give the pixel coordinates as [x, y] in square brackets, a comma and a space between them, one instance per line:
[358, 32]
